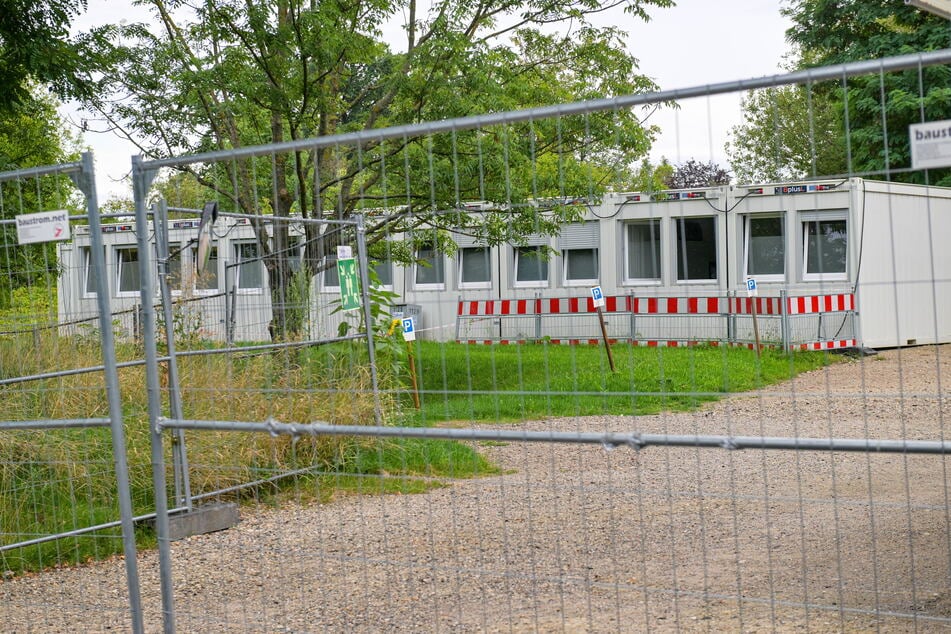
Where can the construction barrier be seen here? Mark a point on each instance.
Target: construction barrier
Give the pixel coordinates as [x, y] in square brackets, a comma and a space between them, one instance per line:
[807, 322]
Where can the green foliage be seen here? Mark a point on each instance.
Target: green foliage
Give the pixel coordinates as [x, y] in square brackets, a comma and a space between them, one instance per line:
[230, 74]
[788, 133]
[31, 135]
[35, 46]
[652, 178]
[28, 307]
[796, 132]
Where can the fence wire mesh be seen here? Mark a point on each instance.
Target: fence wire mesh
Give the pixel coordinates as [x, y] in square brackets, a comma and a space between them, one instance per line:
[390, 476]
[65, 494]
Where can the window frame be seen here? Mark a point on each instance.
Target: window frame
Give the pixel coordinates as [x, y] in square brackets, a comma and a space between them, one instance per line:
[325, 287]
[176, 254]
[388, 264]
[86, 254]
[121, 263]
[517, 255]
[680, 230]
[581, 281]
[239, 264]
[481, 284]
[193, 274]
[438, 264]
[747, 236]
[659, 260]
[816, 218]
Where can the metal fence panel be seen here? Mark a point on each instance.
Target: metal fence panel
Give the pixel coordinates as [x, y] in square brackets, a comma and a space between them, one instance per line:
[65, 479]
[387, 482]
[810, 502]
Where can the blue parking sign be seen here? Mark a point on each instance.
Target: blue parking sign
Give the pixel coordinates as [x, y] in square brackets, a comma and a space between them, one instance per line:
[598, 296]
[751, 289]
[409, 329]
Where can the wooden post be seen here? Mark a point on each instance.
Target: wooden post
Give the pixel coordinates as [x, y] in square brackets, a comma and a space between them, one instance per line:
[604, 336]
[755, 324]
[412, 373]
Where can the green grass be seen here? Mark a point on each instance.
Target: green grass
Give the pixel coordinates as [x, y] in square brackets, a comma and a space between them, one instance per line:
[52, 481]
[460, 382]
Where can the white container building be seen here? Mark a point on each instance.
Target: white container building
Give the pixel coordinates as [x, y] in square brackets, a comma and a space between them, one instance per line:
[879, 244]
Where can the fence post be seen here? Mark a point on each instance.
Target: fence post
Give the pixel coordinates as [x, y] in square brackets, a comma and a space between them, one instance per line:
[368, 314]
[141, 180]
[730, 318]
[87, 183]
[182, 483]
[231, 303]
[784, 319]
[538, 316]
[631, 303]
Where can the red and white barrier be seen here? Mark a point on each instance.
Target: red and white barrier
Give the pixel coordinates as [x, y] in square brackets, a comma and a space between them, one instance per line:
[662, 306]
[540, 306]
[821, 303]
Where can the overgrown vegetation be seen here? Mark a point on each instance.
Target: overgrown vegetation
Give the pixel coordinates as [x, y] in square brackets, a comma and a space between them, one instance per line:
[56, 480]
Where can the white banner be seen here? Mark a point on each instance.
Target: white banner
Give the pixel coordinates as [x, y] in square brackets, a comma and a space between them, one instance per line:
[46, 226]
[930, 144]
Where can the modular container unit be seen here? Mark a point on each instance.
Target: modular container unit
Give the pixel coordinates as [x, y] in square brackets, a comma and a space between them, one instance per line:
[878, 242]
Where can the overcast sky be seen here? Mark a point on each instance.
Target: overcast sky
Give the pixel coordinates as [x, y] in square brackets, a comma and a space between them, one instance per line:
[698, 42]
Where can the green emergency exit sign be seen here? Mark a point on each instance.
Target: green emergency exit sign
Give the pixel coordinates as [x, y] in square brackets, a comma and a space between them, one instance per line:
[349, 284]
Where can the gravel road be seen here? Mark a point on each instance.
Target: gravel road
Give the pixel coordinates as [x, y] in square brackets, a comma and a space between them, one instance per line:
[585, 539]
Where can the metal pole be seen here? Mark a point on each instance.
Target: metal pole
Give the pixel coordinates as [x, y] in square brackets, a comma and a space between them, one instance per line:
[180, 473]
[88, 185]
[538, 316]
[730, 318]
[412, 373]
[141, 180]
[634, 440]
[368, 314]
[231, 302]
[784, 323]
[631, 305]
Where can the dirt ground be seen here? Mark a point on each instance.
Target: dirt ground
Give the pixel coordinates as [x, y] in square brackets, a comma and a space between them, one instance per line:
[586, 539]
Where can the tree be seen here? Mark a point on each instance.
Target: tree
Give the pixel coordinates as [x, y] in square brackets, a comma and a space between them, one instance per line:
[802, 132]
[236, 74]
[35, 46]
[787, 134]
[696, 174]
[650, 178]
[31, 135]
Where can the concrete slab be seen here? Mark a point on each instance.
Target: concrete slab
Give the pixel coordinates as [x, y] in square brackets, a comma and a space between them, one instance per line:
[203, 519]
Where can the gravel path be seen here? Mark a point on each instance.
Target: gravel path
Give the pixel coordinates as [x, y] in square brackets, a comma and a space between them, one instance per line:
[583, 539]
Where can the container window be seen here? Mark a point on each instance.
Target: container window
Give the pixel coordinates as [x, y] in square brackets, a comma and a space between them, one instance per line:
[696, 249]
[825, 248]
[206, 279]
[643, 250]
[475, 268]
[127, 270]
[250, 271]
[581, 266]
[765, 247]
[430, 268]
[531, 266]
[90, 272]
